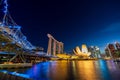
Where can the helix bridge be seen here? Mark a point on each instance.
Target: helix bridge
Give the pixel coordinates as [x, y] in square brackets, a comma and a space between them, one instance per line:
[11, 30]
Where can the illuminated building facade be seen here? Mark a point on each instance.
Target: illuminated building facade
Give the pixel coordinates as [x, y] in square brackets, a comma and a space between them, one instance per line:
[107, 52]
[84, 49]
[77, 51]
[95, 51]
[54, 46]
[117, 46]
[113, 50]
[110, 50]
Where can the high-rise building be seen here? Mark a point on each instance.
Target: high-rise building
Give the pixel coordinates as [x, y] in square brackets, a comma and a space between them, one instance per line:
[95, 51]
[107, 52]
[111, 49]
[117, 46]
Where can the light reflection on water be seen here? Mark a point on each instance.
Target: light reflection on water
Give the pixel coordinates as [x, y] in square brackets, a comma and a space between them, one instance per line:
[75, 70]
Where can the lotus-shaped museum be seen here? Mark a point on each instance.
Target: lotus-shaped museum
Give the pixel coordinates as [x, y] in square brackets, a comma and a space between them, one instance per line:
[84, 52]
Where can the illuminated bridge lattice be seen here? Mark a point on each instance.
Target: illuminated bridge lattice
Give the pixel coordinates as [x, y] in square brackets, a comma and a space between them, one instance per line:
[11, 30]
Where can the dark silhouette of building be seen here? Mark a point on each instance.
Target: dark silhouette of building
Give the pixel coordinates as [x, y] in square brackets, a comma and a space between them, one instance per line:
[117, 46]
[107, 52]
[111, 49]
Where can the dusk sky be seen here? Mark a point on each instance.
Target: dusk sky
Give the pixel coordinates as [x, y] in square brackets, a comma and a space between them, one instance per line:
[73, 22]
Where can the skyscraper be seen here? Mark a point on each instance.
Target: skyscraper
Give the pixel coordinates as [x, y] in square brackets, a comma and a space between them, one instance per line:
[107, 52]
[95, 51]
[117, 46]
[111, 49]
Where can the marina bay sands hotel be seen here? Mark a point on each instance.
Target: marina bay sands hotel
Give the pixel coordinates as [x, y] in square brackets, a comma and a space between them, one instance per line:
[54, 46]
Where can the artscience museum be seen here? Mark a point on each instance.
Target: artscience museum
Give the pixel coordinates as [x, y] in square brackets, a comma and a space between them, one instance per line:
[82, 52]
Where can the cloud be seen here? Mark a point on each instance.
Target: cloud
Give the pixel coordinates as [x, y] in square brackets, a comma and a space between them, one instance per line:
[112, 28]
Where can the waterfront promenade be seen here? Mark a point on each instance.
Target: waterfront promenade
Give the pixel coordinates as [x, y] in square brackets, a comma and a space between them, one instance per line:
[15, 65]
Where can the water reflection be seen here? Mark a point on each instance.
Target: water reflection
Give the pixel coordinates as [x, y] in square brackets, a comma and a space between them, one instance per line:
[39, 71]
[75, 70]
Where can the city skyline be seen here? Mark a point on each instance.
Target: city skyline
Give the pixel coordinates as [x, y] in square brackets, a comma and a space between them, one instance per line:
[72, 22]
